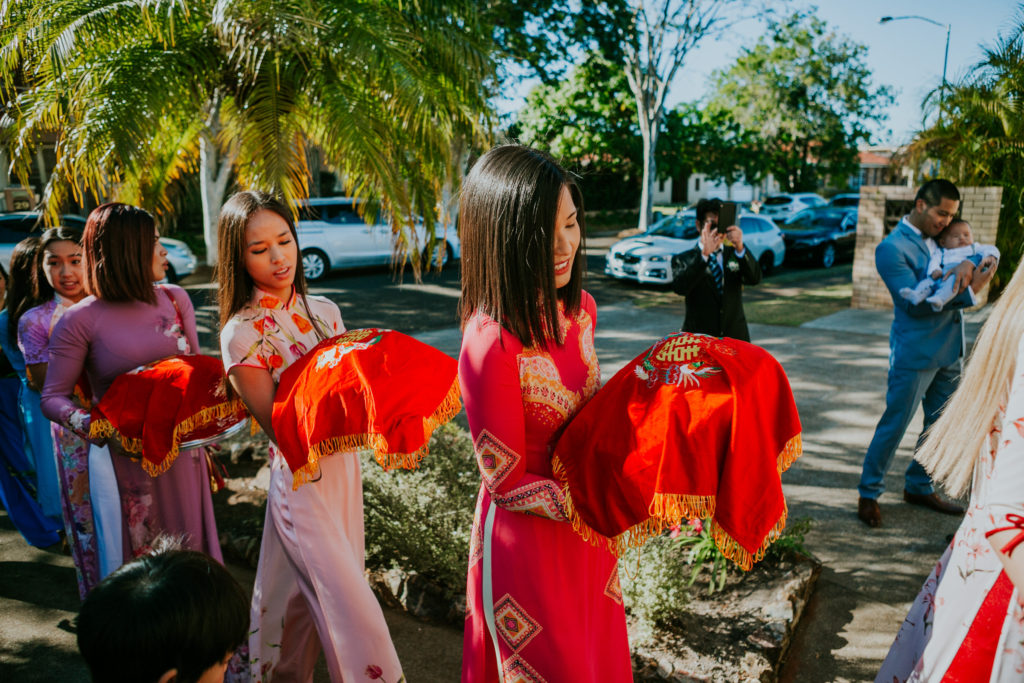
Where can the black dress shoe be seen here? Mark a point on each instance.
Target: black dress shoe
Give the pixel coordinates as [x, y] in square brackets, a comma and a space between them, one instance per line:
[869, 512]
[933, 502]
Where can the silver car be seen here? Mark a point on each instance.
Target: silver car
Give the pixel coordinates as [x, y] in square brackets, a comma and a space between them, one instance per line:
[333, 235]
[783, 207]
[647, 258]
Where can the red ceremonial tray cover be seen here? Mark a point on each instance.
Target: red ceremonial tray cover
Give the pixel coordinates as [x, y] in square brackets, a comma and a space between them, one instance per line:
[694, 427]
[157, 407]
[369, 388]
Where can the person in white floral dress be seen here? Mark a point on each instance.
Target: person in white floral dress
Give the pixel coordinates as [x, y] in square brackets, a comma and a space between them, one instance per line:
[967, 623]
[310, 588]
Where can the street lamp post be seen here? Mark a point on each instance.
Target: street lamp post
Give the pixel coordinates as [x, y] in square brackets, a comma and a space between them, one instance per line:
[945, 58]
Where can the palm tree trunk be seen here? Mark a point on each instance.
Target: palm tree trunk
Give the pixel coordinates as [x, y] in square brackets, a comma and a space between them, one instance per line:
[214, 171]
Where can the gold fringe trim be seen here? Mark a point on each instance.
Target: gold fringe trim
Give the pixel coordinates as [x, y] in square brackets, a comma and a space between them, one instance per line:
[676, 508]
[587, 533]
[669, 510]
[740, 555]
[449, 408]
[793, 449]
[103, 428]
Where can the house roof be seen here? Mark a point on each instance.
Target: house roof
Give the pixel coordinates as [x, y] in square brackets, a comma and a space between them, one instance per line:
[868, 158]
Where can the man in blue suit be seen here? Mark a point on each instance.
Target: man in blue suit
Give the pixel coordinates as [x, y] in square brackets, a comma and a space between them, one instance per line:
[925, 346]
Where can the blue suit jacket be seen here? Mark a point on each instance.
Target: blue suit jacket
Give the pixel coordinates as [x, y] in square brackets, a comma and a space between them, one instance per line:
[920, 338]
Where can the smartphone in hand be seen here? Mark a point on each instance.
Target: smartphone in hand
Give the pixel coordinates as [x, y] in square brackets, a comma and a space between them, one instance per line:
[727, 215]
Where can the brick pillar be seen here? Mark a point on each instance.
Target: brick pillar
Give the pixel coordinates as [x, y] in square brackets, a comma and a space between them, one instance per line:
[979, 206]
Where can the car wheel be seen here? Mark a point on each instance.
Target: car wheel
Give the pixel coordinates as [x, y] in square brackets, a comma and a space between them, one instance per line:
[766, 262]
[828, 255]
[172, 274]
[314, 265]
[429, 260]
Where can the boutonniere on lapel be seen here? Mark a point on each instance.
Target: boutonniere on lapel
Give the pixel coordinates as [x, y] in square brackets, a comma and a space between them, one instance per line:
[733, 266]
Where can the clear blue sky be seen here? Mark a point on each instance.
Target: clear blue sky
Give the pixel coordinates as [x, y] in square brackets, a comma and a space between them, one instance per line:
[906, 55]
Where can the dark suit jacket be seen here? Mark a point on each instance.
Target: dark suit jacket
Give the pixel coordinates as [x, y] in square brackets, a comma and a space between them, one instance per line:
[707, 310]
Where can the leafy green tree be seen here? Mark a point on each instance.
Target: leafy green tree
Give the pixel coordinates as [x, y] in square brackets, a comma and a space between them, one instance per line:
[709, 141]
[535, 34]
[589, 120]
[145, 92]
[808, 91]
[979, 139]
[651, 39]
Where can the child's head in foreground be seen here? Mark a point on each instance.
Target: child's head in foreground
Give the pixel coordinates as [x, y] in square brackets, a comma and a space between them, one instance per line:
[957, 234]
[176, 615]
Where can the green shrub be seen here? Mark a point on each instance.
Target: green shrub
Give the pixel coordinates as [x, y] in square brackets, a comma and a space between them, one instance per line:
[420, 520]
[791, 541]
[657, 579]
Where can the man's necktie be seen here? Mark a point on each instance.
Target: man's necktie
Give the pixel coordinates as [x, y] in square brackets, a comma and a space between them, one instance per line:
[716, 271]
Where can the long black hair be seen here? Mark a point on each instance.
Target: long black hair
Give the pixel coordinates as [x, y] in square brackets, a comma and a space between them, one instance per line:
[507, 226]
[118, 242]
[22, 287]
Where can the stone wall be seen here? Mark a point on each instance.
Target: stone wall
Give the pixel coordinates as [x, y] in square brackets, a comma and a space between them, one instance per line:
[881, 208]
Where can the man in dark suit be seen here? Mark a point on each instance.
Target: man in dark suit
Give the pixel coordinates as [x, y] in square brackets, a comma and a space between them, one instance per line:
[711, 277]
[925, 346]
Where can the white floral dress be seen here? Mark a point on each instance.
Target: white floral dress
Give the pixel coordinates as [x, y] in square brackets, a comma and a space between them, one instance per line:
[966, 623]
[310, 588]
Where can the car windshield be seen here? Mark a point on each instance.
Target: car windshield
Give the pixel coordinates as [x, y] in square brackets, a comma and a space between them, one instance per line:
[777, 201]
[668, 227]
[846, 201]
[330, 213]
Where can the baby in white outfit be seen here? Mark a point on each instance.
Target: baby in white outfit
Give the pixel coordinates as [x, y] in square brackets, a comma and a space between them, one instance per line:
[956, 245]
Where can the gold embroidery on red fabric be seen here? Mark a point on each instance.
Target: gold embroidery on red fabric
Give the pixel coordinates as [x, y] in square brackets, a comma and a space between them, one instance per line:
[495, 459]
[542, 498]
[516, 670]
[476, 538]
[541, 383]
[515, 626]
[613, 589]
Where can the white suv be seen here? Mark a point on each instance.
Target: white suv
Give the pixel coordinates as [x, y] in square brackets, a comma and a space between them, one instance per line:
[647, 258]
[332, 235]
[782, 207]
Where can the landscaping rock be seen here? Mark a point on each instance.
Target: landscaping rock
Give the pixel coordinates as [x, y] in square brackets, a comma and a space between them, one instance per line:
[418, 596]
[738, 634]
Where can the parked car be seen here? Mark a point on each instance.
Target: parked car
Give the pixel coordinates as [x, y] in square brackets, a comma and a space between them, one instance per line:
[647, 258]
[845, 200]
[180, 257]
[333, 235]
[14, 227]
[782, 207]
[821, 236]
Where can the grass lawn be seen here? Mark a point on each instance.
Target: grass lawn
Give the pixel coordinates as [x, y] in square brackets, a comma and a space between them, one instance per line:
[796, 309]
[791, 297]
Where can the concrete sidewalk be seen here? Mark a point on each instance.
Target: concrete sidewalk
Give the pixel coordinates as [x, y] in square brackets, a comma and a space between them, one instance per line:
[837, 368]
